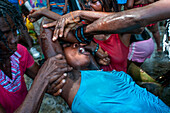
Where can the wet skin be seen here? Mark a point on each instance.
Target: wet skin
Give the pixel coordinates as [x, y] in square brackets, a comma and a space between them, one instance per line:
[154, 29]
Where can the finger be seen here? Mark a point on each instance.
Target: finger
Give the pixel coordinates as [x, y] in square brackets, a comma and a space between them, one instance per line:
[66, 31]
[61, 30]
[58, 92]
[104, 59]
[56, 80]
[69, 27]
[62, 60]
[81, 44]
[33, 10]
[66, 69]
[32, 19]
[59, 56]
[108, 59]
[106, 53]
[52, 24]
[59, 86]
[55, 34]
[102, 62]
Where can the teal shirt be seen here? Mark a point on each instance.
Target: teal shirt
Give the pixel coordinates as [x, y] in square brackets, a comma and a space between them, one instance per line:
[114, 92]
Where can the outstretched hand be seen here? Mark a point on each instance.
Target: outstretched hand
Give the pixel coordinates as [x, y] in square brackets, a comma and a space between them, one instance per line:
[63, 24]
[36, 14]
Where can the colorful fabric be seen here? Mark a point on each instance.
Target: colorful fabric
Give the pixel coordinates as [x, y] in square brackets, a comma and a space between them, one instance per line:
[114, 92]
[117, 52]
[13, 1]
[57, 6]
[13, 91]
[16, 4]
[121, 1]
[38, 3]
[141, 50]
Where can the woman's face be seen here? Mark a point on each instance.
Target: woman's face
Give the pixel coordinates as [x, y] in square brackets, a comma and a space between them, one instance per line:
[77, 57]
[8, 39]
[95, 5]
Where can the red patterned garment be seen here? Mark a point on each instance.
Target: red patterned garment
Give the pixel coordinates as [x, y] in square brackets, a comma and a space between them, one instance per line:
[13, 91]
[117, 52]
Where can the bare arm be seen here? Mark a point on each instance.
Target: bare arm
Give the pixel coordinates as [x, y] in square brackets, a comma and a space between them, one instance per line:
[48, 4]
[65, 7]
[37, 14]
[51, 48]
[120, 22]
[32, 71]
[53, 67]
[130, 4]
[130, 19]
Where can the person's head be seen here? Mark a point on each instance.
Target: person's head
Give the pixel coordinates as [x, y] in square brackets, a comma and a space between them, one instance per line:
[76, 56]
[10, 22]
[100, 5]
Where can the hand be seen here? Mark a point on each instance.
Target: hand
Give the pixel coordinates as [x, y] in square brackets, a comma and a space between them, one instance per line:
[54, 68]
[55, 88]
[90, 47]
[104, 61]
[64, 21]
[102, 56]
[36, 14]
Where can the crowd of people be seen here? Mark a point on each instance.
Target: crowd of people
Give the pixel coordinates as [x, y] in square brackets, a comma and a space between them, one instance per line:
[87, 46]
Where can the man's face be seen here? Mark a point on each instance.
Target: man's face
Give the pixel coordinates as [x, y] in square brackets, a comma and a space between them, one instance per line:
[8, 39]
[77, 57]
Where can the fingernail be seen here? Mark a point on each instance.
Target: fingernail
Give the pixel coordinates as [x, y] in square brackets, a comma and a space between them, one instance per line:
[63, 81]
[44, 25]
[60, 90]
[54, 38]
[60, 35]
[65, 74]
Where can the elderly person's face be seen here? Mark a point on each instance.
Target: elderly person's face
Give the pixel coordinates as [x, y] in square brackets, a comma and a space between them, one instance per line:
[77, 57]
[8, 38]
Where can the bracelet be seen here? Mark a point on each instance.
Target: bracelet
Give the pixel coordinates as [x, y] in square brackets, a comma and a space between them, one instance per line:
[85, 40]
[94, 52]
[76, 35]
[82, 34]
[73, 18]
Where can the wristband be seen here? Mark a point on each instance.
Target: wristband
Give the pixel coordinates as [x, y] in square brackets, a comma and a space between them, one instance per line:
[76, 35]
[94, 52]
